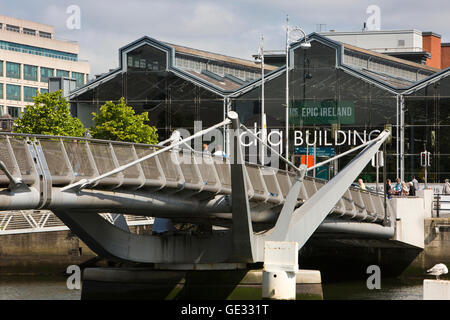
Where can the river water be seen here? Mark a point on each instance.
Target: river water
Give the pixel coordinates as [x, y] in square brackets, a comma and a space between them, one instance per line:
[54, 288]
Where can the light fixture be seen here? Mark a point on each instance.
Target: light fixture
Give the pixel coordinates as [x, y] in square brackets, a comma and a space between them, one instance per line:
[305, 45]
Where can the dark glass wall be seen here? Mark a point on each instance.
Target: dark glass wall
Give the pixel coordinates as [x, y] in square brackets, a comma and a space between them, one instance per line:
[171, 102]
[248, 105]
[323, 98]
[427, 122]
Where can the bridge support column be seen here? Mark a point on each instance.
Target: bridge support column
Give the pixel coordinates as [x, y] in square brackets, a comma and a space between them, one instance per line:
[280, 269]
[242, 231]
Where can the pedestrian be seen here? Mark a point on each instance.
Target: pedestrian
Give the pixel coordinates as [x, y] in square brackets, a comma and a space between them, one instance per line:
[205, 148]
[361, 184]
[405, 189]
[398, 187]
[415, 182]
[74, 155]
[219, 152]
[388, 188]
[412, 189]
[446, 189]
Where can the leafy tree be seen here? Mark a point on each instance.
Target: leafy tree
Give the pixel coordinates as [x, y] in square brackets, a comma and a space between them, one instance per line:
[49, 115]
[119, 122]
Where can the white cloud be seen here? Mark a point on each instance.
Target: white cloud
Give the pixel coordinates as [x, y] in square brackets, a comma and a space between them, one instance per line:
[233, 27]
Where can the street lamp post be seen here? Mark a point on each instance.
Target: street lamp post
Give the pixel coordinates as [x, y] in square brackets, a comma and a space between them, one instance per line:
[304, 45]
[263, 120]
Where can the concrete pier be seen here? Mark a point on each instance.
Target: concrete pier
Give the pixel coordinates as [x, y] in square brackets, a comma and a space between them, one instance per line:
[436, 290]
[136, 283]
[437, 247]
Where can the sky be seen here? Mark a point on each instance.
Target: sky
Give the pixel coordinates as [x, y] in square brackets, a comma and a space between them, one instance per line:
[232, 27]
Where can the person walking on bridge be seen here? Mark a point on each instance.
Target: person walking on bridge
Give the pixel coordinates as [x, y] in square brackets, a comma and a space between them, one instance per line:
[361, 184]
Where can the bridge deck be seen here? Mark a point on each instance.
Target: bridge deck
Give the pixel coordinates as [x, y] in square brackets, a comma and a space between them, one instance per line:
[199, 175]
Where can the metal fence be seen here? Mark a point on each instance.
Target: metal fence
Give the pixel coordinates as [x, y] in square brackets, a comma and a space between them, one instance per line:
[30, 221]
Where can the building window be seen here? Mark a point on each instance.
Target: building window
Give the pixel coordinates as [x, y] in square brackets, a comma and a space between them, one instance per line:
[147, 58]
[45, 34]
[44, 90]
[12, 70]
[1, 110]
[14, 111]
[10, 27]
[13, 92]
[29, 93]
[79, 77]
[62, 73]
[5, 45]
[1, 68]
[29, 31]
[30, 72]
[1, 90]
[46, 73]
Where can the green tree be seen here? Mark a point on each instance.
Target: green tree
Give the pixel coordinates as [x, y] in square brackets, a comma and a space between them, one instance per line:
[119, 122]
[49, 115]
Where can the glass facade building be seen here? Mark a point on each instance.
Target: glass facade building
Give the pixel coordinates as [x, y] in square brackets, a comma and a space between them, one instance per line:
[29, 56]
[338, 98]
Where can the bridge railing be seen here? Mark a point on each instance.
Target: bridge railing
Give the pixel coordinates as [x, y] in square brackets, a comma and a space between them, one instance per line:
[71, 159]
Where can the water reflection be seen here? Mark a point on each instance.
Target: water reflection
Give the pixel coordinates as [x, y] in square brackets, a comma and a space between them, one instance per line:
[54, 288]
[391, 289]
[36, 288]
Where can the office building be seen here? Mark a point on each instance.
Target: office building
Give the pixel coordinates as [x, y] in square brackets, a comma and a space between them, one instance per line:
[29, 55]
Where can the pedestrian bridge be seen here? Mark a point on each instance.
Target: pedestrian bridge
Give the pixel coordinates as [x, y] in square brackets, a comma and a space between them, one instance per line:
[236, 206]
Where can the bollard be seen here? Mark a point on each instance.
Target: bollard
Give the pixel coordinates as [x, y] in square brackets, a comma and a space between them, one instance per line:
[280, 269]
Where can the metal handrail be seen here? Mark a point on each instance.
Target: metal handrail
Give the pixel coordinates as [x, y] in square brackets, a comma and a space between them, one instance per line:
[43, 136]
[85, 182]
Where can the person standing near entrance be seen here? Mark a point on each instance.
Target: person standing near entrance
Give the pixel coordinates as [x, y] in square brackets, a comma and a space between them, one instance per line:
[412, 188]
[405, 190]
[415, 182]
[446, 189]
[389, 189]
